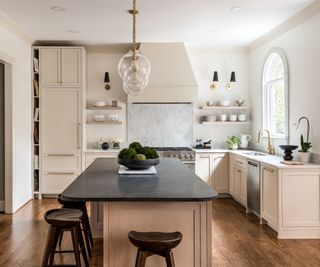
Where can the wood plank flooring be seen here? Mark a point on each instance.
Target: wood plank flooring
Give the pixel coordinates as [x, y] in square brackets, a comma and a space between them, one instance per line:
[238, 239]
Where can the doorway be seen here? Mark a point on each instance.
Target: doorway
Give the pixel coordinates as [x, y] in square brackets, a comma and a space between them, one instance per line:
[2, 133]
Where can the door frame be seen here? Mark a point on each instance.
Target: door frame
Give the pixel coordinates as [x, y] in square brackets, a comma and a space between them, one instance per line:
[8, 62]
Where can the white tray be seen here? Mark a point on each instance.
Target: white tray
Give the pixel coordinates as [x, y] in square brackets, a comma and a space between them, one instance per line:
[125, 171]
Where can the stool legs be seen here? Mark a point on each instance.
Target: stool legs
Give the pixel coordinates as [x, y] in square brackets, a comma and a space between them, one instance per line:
[49, 245]
[141, 259]
[169, 259]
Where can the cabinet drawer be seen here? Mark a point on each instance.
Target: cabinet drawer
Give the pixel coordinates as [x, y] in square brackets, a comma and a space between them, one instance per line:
[240, 162]
[56, 182]
[61, 162]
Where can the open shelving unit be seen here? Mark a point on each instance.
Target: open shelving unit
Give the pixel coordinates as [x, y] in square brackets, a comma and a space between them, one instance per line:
[226, 122]
[36, 187]
[224, 108]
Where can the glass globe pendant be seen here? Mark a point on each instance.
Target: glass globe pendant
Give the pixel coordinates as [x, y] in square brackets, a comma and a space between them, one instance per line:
[134, 68]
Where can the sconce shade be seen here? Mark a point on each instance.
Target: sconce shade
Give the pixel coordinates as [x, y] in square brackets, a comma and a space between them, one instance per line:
[215, 77]
[106, 77]
[233, 77]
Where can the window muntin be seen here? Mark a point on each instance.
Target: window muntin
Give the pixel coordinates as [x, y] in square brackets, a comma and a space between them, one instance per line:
[274, 95]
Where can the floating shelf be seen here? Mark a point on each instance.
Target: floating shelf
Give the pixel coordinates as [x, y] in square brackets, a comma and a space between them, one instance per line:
[104, 122]
[105, 108]
[224, 108]
[225, 122]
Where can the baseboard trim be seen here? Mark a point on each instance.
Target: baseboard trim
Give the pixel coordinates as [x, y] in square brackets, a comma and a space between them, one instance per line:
[2, 208]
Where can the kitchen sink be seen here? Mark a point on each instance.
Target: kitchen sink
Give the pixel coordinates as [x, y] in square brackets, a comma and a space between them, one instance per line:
[255, 154]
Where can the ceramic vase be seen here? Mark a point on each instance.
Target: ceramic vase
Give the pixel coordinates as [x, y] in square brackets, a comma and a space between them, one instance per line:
[304, 156]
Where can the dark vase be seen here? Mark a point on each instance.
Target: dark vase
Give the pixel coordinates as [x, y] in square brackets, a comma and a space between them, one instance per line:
[105, 146]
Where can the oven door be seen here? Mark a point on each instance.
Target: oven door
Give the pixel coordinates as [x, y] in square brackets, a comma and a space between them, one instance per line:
[191, 165]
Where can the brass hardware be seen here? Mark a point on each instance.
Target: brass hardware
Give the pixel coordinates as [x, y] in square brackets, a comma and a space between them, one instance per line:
[268, 170]
[60, 155]
[213, 86]
[107, 86]
[61, 173]
[271, 149]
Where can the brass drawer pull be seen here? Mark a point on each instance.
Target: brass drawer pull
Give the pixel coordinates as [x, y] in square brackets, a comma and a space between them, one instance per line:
[61, 155]
[61, 173]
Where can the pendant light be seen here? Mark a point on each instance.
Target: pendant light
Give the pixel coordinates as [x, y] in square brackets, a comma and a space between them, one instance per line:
[134, 68]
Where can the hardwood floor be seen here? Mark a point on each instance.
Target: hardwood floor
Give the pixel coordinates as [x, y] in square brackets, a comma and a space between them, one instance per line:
[238, 239]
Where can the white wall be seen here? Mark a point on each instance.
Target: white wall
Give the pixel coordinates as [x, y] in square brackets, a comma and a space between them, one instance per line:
[302, 47]
[98, 62]
[204, 62]
[18, 52]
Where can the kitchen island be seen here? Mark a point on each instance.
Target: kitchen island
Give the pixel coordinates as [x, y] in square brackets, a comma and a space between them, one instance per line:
[174, 200]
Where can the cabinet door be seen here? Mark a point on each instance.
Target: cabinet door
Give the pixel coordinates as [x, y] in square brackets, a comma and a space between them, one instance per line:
[56, 182]
[204, 168]
[50, 59]
[243, 187]
[220, 173]
[269, 195]
[60, 121]
[231, 175]
[71, 66]
[237, 181]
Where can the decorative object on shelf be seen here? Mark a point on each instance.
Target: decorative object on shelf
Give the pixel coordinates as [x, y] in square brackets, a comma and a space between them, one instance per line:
[134, 68]
[233, 117]
[98, 118]
[105, 146]
[223, 117]
[239, 102]
[114, 104]
[304, 153]
[99, 104]
[36, 87]
[115, 143]
[232, 80]
[137, 157]
[215, 81]
[244, 140]
[210, 118]
[233, 142]
[107, 81]
[288, 150]
[242, 117]
[224, 103]
[209, 103]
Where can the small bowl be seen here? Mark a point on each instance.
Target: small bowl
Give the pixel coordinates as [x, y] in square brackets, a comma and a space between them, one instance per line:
[232, 117]
[210, 118]
[99, 104]
[224, 103]
[242, 117]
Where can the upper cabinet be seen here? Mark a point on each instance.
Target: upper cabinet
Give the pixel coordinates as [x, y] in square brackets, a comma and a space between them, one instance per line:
[60, 67]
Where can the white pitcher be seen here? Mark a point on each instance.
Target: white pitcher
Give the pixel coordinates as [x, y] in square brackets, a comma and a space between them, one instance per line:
[244, 140]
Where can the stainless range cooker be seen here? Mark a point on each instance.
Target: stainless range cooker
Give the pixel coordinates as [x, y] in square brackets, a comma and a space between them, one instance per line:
[185, 154]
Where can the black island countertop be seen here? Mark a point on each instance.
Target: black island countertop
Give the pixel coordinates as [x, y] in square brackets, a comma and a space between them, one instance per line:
[174, 182]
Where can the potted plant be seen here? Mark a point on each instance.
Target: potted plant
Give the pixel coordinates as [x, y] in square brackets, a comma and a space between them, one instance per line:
[233, 142]
[304, 153]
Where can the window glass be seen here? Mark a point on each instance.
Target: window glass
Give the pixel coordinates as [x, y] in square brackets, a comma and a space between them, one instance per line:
[274, 95]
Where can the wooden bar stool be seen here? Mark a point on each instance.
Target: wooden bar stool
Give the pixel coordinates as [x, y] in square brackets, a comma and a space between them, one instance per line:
[60, 220]
[85, 223]
[150, 243]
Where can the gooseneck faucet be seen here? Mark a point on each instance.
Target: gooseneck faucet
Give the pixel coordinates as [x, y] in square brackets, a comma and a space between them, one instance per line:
[271, 149]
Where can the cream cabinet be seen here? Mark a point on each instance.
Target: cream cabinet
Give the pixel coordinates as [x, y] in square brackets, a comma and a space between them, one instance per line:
[60, 67]
[60, 117]
[96, 210]
[213, 169]
[269, 195]
[238, 179]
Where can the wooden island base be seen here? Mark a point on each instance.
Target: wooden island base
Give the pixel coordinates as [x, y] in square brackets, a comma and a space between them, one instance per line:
[192, 219]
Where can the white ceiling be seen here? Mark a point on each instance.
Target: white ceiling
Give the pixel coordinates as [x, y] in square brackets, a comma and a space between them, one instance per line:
[199, 22]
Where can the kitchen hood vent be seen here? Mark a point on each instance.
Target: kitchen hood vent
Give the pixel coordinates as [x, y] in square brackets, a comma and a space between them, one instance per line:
[171, 78]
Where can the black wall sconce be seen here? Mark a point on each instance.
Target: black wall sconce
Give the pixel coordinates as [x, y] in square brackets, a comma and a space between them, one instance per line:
[215, 81]
[232, 80]
[107, 81]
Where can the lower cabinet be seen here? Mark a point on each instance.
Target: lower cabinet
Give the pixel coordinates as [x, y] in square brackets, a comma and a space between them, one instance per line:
[238, 179]
[269, 196]
[213, 169]
[56, 182]
[96, 208]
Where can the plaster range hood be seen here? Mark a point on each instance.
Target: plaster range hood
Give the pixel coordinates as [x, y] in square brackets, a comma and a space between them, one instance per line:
[171, 79]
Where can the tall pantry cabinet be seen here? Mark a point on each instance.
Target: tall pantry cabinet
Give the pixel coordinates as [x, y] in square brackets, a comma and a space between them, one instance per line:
[61, 86]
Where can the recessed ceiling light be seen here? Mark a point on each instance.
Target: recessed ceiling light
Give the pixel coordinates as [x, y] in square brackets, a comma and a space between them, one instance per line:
[73, 31]
[58, 8]
[236, 8]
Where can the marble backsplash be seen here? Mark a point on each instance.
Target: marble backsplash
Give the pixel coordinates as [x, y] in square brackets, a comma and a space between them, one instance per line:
[161, 124]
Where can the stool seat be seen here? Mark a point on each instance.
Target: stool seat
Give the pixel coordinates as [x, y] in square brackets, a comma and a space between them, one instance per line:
[155, 241]
[63, 216]
[78, 204]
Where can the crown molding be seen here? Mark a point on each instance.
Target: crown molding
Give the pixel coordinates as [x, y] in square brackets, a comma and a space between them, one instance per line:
[14, 28]
[287, 25]
[216, 49]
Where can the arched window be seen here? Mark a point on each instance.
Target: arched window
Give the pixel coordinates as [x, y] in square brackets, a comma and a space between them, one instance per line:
[275, 94]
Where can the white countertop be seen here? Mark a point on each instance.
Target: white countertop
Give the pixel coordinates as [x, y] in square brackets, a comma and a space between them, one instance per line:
[273, 160]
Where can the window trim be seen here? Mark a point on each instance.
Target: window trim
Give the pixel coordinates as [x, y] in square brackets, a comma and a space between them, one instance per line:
[282, 54]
